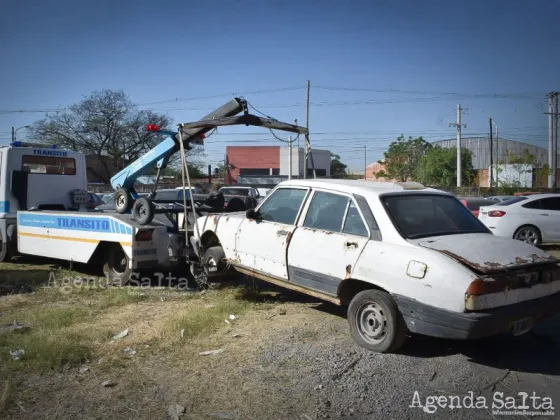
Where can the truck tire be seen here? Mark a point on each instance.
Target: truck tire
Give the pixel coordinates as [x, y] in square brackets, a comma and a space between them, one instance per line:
[235, 204]
[214, 259]
[116, 267]
[122, 201]
[143, 211]
[3, 251]
[11, 233]
[375, 322]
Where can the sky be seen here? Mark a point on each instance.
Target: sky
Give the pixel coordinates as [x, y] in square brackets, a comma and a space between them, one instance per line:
[377, 69]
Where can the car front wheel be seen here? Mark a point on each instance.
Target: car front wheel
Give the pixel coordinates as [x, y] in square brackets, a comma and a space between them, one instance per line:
[375, 321]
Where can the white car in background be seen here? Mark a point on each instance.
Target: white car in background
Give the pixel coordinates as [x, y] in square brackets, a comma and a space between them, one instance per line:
[534, 219]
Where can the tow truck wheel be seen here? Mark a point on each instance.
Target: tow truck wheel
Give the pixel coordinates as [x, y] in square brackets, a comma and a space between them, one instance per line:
[375, 321]
[143, 211]
[3, 251]
[116, 267]
[122, 201]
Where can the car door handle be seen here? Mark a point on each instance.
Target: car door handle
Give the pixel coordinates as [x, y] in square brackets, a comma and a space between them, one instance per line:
[282, 232]
[544, 214]
[351, 245]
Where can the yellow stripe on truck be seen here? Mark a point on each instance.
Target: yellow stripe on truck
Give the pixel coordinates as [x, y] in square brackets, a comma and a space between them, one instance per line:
[67, 238]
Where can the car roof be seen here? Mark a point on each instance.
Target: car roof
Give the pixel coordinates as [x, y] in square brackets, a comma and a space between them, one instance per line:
[359, 186]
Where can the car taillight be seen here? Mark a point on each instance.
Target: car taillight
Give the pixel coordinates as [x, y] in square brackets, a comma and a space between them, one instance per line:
[496, 213]
[144, 235]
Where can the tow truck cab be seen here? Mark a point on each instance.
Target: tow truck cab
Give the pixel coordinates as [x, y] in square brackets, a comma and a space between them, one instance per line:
[35, 177]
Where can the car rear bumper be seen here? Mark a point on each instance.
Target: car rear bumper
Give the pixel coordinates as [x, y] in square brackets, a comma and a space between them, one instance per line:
[435, 322]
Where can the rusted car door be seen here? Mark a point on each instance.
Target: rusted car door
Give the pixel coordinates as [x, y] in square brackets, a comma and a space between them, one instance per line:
[261, 244]
[327, 243]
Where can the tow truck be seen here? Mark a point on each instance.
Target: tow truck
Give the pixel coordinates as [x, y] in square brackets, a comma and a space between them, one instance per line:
[43, 197]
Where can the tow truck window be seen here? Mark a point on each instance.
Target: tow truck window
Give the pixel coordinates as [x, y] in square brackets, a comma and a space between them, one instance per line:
[48, 165]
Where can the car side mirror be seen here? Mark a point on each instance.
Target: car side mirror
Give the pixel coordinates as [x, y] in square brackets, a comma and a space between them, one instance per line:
[252, 214]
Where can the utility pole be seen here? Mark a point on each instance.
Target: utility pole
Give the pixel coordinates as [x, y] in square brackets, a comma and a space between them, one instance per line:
[306, 151]
[490, 175]
[13, 134]
[458, 125]
[290, 158]
[552, 138]
[555, 142]
[365, 163]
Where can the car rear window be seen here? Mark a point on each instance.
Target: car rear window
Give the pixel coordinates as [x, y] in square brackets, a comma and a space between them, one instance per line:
[511, 201]
[424, 215]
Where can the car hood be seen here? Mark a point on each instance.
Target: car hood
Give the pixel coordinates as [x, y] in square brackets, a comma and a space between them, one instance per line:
[486, 253]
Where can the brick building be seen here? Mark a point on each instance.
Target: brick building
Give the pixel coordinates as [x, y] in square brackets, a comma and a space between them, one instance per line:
[273, 160]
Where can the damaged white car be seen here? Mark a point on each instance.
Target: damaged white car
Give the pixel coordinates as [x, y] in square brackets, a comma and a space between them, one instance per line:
[404, 258]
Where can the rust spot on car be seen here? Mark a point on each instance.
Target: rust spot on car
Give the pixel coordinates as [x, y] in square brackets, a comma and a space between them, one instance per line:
[215, 218]
[288, 238]
[348, 272]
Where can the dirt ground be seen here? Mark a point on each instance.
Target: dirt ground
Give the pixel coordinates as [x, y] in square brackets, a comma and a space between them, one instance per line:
[283, 356]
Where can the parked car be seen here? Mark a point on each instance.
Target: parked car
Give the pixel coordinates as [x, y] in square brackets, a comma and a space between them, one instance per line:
[249, 195]
[402, 257]
[195, 189]
[500, 198]
[474, 203]
[534, 219]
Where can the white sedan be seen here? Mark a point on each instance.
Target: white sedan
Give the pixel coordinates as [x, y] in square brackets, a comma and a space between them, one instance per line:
[534, 219]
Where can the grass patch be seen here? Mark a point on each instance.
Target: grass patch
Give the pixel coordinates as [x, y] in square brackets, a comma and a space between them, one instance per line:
[207, 319]
[6, 396]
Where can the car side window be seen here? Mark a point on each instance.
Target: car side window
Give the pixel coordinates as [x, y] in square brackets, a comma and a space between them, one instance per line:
[552, 203]
[326, 212]
[533, 205]
[283, 206]
[353, 224]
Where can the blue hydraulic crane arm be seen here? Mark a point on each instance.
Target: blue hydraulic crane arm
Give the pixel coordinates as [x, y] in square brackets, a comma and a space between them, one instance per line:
[161, 153]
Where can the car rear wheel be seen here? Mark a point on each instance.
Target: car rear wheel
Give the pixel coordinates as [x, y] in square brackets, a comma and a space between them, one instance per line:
[116, 267]
[375, 321]
[528, 234]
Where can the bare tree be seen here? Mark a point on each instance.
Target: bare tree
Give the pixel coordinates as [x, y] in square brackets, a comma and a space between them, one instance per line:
[105, 124]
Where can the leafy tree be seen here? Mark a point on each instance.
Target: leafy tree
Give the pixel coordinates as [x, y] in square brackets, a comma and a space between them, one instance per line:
[338, 169]
[220, 170]
[106, 124]
[439, 167]
[516, 171]
[402, 157]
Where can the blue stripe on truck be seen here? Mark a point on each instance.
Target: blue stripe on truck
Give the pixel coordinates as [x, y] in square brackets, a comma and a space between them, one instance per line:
[4, 206]
[89, 224]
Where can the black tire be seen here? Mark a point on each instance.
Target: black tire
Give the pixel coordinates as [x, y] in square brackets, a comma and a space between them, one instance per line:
[143, 211]
[528, 234]
[235, 204]
[375, 322]
[215, 200]
[116, 267]
[214, 257]
[11, 233]
[123, 201]
[3, 251]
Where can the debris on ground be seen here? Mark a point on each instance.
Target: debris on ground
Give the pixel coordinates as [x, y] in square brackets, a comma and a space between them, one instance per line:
[108, 383]
[232, 317]
[282, 311]
[15, 326]
[84, 370]
[129, 351]
[225, 416]
[236, 335]
[175, 411]
[211, 352]
[120, 335]
[17, 354]
[182, 333]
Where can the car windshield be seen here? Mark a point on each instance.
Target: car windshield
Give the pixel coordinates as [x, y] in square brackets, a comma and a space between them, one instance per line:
[235, 191]
[422, 215]
[511, 201]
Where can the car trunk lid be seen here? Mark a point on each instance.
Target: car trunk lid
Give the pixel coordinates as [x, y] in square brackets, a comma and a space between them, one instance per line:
[485, 253]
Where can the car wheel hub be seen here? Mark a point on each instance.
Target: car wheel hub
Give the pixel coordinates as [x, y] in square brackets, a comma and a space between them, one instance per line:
[372, 323]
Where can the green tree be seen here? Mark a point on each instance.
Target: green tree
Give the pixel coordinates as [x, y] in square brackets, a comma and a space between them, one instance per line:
[402, 157]
[438, 167]
[106, 124]
[516, 170]
[338, 169]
